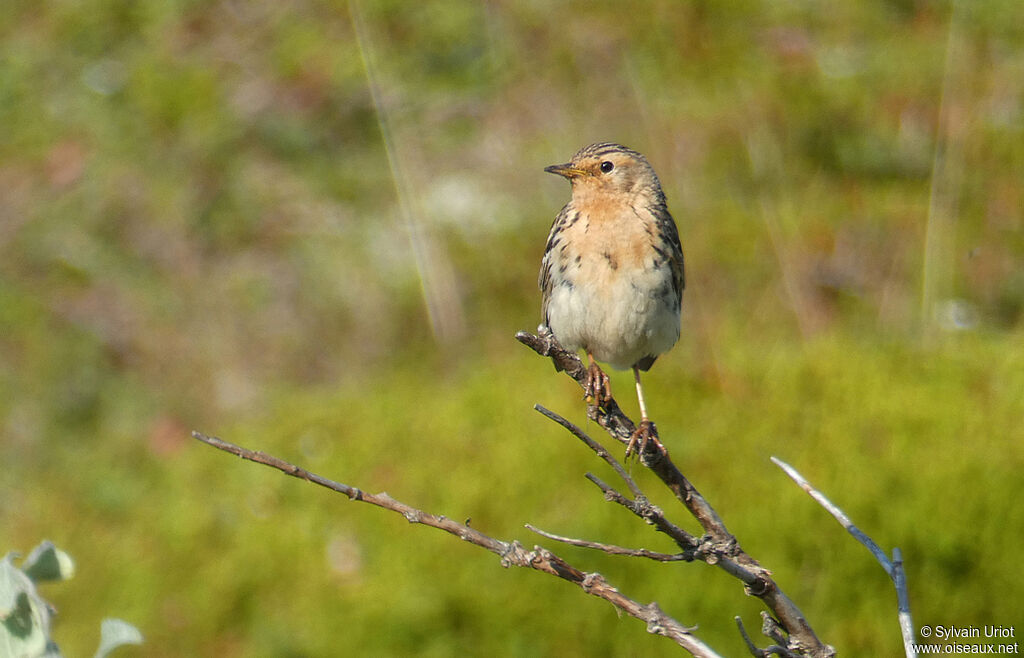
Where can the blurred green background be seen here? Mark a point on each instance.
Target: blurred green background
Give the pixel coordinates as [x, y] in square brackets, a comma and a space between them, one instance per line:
[313, 229]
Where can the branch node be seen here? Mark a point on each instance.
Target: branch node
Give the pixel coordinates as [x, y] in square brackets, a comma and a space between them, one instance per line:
[774, 649]
[654, 619]
[592, 580]
[514, 555]
[712, 550]
[760, 587]
[771, 628]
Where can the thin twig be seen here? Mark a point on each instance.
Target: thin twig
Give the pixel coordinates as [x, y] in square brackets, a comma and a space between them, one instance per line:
[652, 514]
[512, 553]
[593, 445]
[899, 579]
[894, 567]
[758, 652]
[724, 551]
[383, 500]
[612, 549]
[621, 427]
[839, 515]
[610, 416]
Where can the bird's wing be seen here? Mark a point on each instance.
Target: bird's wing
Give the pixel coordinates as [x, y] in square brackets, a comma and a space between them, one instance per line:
[670, 236]
[547, 262]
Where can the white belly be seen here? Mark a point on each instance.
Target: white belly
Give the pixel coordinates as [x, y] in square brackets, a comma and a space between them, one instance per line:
[622, 316]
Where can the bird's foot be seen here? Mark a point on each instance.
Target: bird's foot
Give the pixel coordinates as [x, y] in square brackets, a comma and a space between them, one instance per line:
[644, 432]
[597, 388]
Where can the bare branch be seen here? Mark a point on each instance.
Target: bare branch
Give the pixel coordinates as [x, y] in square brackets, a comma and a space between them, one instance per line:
[770, 627]
[610, 417]
[899, 579]
[774, 649]
[650, 513]
[616, 423]
[593, 445]
[722, 548]
[894, 567]
[839, 515]
[611, 549]
[511, 553]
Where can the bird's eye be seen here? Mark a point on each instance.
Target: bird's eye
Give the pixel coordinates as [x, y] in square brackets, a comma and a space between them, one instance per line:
[607, 166]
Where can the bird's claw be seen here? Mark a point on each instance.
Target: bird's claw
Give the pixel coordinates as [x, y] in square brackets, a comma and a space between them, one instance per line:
[644, 432]
[597, 389]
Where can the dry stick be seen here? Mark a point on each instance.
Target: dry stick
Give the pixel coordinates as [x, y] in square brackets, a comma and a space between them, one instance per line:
[512, 554]
[734, 560]
[593, 445]
[616, 423]
[706, 548]
[892, 567]
[643, 508]
[640, 505]
[775, 649]
[612, 549]
[693, 547]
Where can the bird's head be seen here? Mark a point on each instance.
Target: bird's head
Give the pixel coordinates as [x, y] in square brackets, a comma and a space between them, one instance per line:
[608, 168]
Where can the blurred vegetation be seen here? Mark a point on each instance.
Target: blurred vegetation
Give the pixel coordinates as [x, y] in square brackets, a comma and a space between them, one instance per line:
[202, 225]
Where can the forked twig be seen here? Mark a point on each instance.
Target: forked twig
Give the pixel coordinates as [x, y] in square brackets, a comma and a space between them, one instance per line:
[720, 547]
[593, 445]
[653, 515]
[511, 553]
[893, 567]
[773, 650]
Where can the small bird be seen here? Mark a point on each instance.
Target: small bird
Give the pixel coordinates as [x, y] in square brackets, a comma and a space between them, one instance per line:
[612, 274]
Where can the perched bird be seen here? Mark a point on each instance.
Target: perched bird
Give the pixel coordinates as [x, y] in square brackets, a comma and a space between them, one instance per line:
[612, 274]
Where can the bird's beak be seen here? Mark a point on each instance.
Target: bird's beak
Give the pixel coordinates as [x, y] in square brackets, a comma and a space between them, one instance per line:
[566, 170]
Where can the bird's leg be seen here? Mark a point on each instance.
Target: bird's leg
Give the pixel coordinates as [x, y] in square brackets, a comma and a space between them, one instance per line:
[596, 387]
[645, 431]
